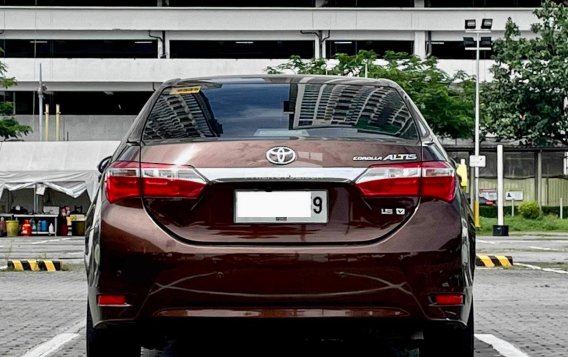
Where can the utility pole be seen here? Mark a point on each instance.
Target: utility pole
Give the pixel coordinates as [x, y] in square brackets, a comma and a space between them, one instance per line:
[477, 45]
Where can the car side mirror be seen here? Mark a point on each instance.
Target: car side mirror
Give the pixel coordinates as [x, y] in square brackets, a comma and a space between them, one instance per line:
[104, 164]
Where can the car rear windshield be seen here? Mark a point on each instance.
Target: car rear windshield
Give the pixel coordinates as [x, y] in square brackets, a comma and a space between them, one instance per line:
[206, 111]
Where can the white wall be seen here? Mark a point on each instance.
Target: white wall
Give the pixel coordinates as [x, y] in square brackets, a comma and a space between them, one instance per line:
[252, 19]
[81, 127]
[407, 24]
[140, 73]
[145, 74]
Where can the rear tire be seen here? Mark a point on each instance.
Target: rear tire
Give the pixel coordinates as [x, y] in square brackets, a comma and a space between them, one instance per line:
[447, 342]
[109, 341]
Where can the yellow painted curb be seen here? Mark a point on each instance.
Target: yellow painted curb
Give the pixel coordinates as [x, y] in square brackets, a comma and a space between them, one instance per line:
[492, 261]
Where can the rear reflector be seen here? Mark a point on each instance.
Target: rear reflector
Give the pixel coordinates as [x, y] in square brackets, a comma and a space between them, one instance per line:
[448, 299]
[126, 179]
[434, 179]
[111, 300]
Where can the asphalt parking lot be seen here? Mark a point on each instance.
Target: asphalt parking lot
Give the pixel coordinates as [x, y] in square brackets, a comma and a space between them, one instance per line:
[520, 311]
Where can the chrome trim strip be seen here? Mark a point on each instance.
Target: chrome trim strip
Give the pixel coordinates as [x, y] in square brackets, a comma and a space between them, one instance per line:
[331, 174]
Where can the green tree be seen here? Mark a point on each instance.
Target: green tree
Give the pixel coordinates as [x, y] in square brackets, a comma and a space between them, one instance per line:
[446, 101]
[526, 100]
[9, 127]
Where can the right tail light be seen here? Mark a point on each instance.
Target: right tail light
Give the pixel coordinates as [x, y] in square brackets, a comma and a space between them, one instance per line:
[433, 179]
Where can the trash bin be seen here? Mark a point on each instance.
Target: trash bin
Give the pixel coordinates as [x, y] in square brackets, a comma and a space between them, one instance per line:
[500, 231]
[12, 228]
[78, 228]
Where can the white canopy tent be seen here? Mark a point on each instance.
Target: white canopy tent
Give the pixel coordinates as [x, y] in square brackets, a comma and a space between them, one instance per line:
[69, 166]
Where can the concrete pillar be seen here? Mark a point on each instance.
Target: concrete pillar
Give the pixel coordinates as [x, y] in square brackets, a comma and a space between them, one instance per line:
[420, 47]
[322, 47]
[317, 48]
[160, 48]
[167, 43]
[420, 37]
[420, 44]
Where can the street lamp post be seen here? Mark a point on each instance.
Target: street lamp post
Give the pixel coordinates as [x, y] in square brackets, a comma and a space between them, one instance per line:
[477, 45]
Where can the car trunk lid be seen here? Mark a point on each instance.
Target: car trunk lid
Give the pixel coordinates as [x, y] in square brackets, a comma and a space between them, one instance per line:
[324, 176]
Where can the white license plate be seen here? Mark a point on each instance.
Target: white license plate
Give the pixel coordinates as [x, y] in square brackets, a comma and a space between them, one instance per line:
[281, 207]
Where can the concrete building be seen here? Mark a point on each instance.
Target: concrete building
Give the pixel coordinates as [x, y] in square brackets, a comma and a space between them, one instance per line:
[101, 60]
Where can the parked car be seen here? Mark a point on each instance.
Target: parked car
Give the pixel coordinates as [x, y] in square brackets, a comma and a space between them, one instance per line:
[323, 203]
[485, 202]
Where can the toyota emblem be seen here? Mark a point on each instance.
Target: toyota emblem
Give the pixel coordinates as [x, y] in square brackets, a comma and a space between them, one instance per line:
[280, 155]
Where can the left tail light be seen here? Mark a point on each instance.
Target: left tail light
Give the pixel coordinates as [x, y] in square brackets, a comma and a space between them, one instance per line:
[126, 179]
[122, 180]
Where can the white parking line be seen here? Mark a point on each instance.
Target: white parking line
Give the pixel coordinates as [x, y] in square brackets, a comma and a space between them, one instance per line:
[52, 240]
[503, 347]
[47, 348]
[485, 241]
[41, 242]
[543, 269]
[541, 248]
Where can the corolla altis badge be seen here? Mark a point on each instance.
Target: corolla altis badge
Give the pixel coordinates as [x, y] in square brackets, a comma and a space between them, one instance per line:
[391, 157]
[280, 155]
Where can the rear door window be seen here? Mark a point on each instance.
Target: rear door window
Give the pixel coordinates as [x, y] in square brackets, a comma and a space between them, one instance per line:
[210, 111]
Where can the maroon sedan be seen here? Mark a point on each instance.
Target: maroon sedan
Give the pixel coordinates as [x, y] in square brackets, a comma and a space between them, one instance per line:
[325, 204]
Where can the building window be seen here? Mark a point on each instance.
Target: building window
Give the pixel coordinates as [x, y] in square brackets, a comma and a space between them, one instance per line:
[7, 103]
[80, 103]
[380, 47]
[241, 49]
[80, 48]
[137, 3]
[455, 50]
[553, 164]
[484, 3]
[369, 3]
[516, 165]
[241, 3]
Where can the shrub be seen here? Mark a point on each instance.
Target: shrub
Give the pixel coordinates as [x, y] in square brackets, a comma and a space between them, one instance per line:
[530, 210]
[554, 210]
[491, 211]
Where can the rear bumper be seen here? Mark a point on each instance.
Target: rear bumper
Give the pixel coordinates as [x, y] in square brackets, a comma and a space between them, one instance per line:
[166, 279]
[155, 333]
